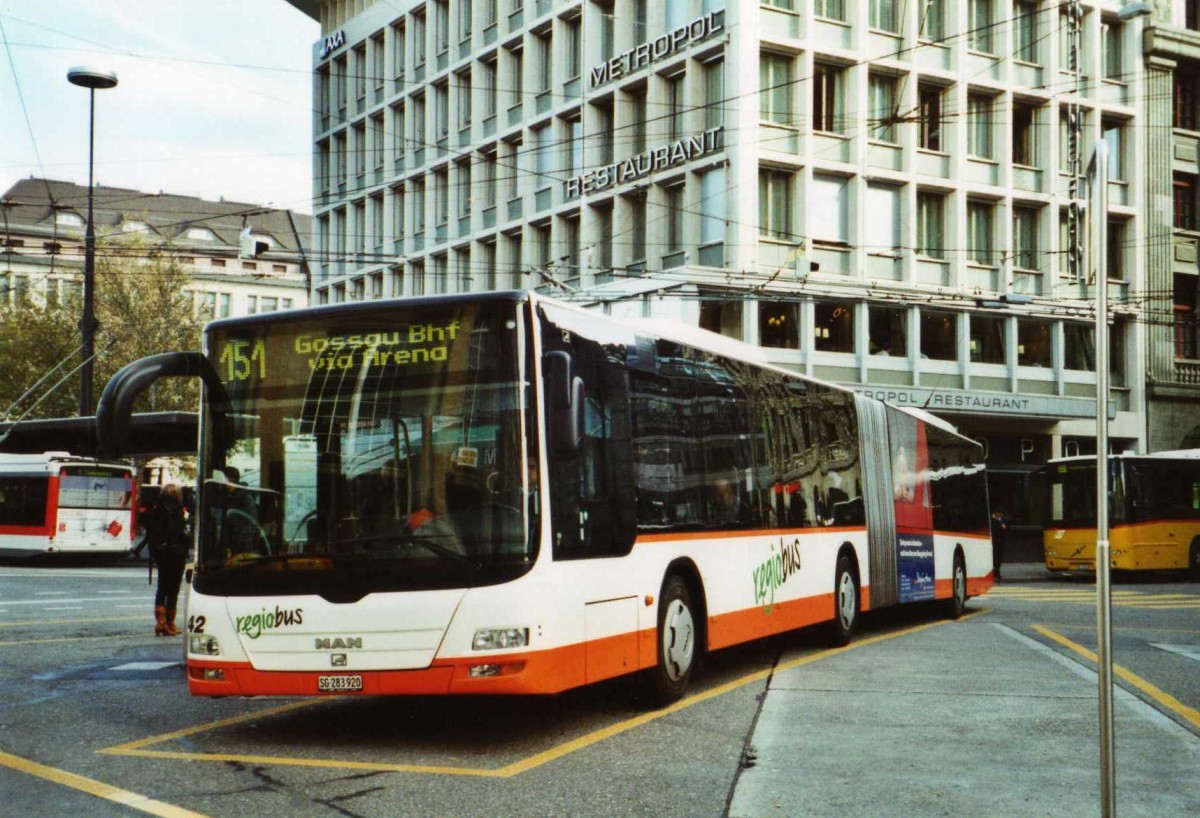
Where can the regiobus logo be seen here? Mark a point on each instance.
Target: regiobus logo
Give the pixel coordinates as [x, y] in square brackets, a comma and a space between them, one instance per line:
[253, 625]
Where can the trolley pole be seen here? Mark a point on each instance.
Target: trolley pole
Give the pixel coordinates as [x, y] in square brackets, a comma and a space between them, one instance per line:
[1098, 217]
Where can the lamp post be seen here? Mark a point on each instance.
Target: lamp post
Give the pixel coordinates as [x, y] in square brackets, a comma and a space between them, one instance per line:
[91, 79]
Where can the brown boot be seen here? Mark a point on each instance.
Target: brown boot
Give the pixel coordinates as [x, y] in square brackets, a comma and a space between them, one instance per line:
[160, 621]
[171, 630]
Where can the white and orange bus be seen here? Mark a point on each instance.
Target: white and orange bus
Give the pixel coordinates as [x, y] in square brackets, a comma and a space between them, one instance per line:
[502, 493]
[56, 503]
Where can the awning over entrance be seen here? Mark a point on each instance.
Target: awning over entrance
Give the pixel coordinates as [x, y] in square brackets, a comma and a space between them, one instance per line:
[152, 434]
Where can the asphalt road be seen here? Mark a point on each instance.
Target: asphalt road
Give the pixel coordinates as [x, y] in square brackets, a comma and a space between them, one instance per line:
[95, 719]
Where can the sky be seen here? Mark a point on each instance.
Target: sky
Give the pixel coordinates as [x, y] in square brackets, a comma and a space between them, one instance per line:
[214, 98]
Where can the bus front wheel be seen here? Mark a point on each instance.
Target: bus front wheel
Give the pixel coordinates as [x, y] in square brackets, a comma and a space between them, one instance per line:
[668, 679]
[845, 602]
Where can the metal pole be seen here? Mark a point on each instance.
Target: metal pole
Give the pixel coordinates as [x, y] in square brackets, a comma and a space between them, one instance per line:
[1098, 214]
[87, 324]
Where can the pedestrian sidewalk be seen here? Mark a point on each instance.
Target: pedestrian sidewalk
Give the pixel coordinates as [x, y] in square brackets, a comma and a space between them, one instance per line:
[961, 718]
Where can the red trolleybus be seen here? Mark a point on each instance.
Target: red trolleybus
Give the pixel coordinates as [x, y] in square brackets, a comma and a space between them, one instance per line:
[501, 493]
[56, 503]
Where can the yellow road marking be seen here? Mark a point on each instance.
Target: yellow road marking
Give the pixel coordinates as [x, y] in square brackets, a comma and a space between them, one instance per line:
[97, 788]
[1168, 701]
[29, 622]
[73, 639]
[1091, 628]
[138, 748]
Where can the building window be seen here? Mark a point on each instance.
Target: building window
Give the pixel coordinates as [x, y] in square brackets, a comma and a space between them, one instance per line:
[930, 103]
[932, 24]
[1114, 256]
[714, 94]
[979, 126]
[1110, 33]
[545, 61]
[887, 331]
[884, 15]
[463, 92]
[1025, 238]
[987, 339]
[779, 325]
[722, 316]
[398, 54]
[674, 204]
[487, 87]
[637, 224]
[441, 110]
[833, 326]
[979, 232]
[1186, 84]
[881, 107]
[827, 210]
[637, 116]
[979, 25]
[827, 98]
[516, 63]
[1079, 347]
[378, 141]
[775, 88]
[465, 21]
[1191, 14]
[1185, 201]
[574, 48]
[775, 204]
[882, 235]
[462, 189]
[712, 206]
[1025, 37]
[676, 106]
[931, 225]
[1114, 136]
[1024, 141]
[1185, 312]
[1033, 342]
[938, 335]
[441, 27]
[543, 146]
[398, 214]
[419, 38]
[830, 9]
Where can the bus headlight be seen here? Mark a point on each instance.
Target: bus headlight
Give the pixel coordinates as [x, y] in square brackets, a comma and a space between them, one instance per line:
[495, 638]
[202, 645]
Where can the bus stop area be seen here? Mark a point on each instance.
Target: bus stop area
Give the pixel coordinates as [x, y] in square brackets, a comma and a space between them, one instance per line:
[966, 718]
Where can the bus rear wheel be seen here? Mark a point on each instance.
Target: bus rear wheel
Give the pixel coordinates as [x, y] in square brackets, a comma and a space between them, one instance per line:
[845, 603]
[957, 602]
[669, 678]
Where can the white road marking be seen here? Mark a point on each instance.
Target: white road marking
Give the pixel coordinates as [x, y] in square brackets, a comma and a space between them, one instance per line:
[74, 608]
[51, 601]
[1190, 651]
[49, 593]
[145, 666]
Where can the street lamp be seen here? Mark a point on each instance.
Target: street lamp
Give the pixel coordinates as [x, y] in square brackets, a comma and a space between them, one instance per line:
[91, 79]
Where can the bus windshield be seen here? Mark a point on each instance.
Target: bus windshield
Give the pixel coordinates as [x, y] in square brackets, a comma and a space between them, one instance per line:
[1072, 490]
[386, 449]
[95, 487]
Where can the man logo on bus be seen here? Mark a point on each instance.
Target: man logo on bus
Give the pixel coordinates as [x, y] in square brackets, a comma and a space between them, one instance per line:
[775, 571]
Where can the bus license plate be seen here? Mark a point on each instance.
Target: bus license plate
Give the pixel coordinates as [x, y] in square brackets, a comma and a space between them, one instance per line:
[338, 684]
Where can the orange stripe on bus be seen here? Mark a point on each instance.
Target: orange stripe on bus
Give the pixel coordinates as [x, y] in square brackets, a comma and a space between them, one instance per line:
[749, 532]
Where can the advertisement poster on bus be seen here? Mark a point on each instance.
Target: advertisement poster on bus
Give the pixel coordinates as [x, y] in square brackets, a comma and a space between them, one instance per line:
[914, 513]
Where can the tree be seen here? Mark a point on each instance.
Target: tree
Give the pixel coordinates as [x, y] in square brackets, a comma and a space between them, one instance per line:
[143, 307]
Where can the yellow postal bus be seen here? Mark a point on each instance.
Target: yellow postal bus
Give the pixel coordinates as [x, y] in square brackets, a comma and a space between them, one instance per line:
[1154, 512]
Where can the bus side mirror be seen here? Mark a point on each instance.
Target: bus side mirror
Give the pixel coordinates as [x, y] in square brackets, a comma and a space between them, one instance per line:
[565, 397]
[115, 408]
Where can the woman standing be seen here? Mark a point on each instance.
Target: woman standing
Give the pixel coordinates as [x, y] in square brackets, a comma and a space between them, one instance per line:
[169, 548]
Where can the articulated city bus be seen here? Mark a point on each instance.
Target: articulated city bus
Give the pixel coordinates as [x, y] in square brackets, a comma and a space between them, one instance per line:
[501, 493]
[57, 503]
[1154, 512]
